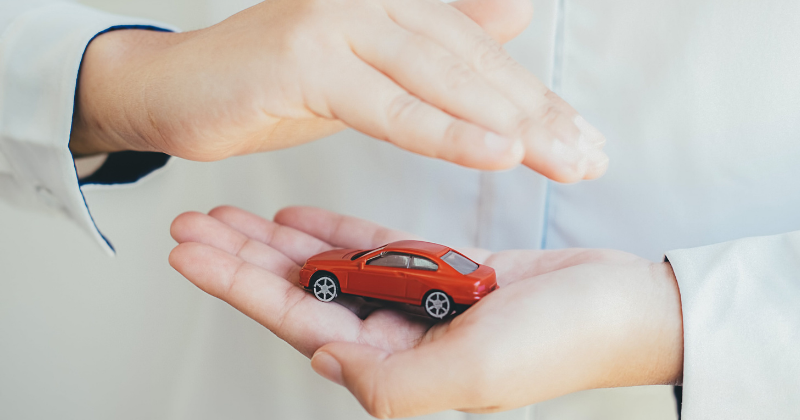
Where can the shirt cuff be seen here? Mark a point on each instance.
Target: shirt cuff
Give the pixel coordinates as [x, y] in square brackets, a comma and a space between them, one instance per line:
[741, 327]
[40, 57]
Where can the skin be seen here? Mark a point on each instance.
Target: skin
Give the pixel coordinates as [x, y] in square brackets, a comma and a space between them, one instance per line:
[428, 77]
[561, 321]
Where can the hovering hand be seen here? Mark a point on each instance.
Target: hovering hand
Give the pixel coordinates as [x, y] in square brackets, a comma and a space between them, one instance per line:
[561, 321]
[420, 74]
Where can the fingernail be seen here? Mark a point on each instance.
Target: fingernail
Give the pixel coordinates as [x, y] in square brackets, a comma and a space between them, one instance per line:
[327, 367]
[590, 136]
[497, 144]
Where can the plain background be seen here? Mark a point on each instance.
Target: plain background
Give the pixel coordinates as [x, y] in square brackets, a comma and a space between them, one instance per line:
[86, 336]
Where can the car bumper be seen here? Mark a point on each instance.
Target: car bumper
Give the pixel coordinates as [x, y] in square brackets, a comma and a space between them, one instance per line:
[472, 298]
[305, 275]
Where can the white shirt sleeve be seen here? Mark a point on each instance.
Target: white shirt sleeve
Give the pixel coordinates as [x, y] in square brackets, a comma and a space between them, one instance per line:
[41, 48]
[741, 323]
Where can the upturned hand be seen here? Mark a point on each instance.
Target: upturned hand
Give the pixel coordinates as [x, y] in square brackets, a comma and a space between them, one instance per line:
[561, 321]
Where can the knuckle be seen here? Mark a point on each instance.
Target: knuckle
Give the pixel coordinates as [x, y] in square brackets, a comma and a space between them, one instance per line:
[526, 125]
[458, 74]
[452, 145]
[548, 113]
[401, 106]
[490, 56]
[453, 134]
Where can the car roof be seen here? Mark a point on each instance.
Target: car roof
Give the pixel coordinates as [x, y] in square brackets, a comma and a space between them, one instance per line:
[418, 246]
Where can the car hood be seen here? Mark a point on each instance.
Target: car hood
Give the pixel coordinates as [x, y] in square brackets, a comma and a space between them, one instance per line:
[334, 254]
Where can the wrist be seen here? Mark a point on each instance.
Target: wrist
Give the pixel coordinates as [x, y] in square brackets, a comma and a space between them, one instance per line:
[110, 113]
[647, 329]
[665, 355]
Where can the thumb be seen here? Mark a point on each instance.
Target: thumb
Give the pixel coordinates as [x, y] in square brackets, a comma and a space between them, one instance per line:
[501, 19]
[413, 382]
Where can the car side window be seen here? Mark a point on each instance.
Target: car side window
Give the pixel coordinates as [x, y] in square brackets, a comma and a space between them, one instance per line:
[422, 263]
[391, 259]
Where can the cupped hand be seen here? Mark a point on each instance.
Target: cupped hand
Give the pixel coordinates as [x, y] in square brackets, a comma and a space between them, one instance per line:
[561, 321]
[429, 77]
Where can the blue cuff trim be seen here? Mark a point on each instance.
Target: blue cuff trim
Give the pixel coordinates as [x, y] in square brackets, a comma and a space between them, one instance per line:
[147, 27]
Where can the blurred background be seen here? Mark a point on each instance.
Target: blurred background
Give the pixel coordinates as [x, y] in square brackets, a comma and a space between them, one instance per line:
[83, 335]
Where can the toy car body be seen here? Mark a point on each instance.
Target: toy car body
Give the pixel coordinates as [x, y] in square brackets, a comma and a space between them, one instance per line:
[415, 272]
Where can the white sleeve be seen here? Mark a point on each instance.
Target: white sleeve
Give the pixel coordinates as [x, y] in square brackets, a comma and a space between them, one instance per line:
[41, 48]
[741, 327]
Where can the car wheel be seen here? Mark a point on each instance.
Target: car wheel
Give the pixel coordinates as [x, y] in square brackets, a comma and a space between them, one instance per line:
[437, 304]
[325, 288]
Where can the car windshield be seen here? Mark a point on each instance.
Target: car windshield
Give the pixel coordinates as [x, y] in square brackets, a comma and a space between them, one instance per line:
[459, 262]
[362, 253]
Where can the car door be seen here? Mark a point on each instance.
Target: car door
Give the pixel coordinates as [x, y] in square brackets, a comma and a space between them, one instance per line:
[422, 273]
[382, 276]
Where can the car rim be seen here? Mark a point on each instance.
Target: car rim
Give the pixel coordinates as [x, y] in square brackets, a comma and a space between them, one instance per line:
[437, 304]
[325, 289]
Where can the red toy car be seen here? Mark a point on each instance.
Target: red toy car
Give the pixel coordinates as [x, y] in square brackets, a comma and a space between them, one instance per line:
[415, 272]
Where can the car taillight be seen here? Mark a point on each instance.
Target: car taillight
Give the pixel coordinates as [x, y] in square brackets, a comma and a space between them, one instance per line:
[480, 288]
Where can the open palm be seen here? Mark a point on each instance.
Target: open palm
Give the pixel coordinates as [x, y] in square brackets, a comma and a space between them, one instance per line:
[540, 335]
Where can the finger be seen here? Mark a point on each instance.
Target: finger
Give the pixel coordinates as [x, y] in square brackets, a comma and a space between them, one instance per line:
[559, 143]
[201, 228]
[417, 381]
[433, 74]
[370, 102]
[337, 229]
[288, 311]
[296, 245]
[464, 38]
[501, 19]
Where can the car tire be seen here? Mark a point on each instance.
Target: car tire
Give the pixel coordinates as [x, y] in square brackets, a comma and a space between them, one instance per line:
[325, 287]
[437, 304]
